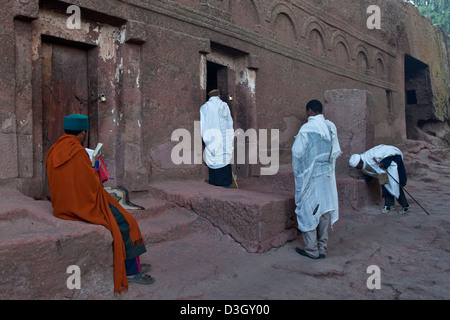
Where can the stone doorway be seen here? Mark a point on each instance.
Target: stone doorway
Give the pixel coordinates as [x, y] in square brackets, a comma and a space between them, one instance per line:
[66, 89]
[418, 96]
[227, 69]
[217, 78]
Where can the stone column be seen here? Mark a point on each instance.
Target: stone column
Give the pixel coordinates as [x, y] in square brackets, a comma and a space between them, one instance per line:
[352, 113]
[135, 175]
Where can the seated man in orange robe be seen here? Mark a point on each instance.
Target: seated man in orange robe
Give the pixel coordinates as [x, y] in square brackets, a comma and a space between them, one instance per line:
[77, 194]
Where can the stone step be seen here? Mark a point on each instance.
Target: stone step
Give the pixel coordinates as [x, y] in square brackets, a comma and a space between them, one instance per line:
[152, 205]
[174, 223]
[260, 215]
[37, 248]
[257, 220]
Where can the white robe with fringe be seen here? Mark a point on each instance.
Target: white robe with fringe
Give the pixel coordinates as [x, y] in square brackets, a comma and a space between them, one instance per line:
[314, 155]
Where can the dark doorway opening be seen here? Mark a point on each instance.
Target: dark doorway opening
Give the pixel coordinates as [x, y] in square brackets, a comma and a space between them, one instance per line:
[217, 78]
[418, 96]
[411, 97]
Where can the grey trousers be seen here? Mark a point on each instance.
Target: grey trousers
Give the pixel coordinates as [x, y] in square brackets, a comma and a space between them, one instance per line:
[316, 240]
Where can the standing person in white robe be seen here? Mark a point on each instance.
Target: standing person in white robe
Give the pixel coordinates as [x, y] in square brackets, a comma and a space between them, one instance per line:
[216, 127]
[314, 155]
[390, 160]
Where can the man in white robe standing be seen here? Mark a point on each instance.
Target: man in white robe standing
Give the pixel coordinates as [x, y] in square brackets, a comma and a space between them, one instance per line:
[385, 159]
[216, 127]
[314, 153]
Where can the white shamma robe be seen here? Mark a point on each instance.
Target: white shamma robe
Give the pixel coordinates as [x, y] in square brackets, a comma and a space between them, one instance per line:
[314, 155]
[216, 126]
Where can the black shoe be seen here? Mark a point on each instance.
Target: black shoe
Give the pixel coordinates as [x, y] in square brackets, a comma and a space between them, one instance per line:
[404, 210]
[303, 253]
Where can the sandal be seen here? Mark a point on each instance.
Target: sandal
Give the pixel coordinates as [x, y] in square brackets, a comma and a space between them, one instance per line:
[142, 278]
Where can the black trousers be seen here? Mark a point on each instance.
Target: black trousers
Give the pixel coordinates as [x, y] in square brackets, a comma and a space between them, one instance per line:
[221, 176]
[389, 199]
[132, 262]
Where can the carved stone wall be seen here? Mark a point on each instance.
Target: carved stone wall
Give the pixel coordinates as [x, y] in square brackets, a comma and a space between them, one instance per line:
[150, 59]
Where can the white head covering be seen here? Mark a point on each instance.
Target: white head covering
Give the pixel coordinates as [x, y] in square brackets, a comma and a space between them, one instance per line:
[354, 160]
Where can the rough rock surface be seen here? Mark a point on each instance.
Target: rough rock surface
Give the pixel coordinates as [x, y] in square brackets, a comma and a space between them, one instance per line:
[200, 262]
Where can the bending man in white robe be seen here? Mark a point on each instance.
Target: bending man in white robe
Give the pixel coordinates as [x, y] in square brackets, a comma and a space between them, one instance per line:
[314, 155]
[390, 161]
[216, 127]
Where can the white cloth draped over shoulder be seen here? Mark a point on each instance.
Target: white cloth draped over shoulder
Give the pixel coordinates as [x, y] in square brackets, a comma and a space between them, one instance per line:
[314, 153]
[371, 168]
[216, 127]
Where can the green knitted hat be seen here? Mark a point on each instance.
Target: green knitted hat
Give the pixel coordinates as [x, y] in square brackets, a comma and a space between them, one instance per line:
[76, 122]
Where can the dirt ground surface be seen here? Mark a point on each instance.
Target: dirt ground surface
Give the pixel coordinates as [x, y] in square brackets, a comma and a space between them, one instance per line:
[411, 252]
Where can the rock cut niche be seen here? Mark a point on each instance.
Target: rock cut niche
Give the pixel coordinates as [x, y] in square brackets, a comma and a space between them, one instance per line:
[380, 68]
[341, 54]
[316, 43]
[362, 62]
[244, 13]
[340, 48]
[284, 29]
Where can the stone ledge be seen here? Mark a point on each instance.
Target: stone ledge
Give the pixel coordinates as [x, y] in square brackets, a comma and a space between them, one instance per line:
[261, 214]
[257, 220]
[36, 248]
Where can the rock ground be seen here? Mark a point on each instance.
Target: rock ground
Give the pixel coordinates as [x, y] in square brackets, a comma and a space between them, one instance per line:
[412, 252]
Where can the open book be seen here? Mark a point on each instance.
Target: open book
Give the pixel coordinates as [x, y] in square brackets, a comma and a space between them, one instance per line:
[93, 154]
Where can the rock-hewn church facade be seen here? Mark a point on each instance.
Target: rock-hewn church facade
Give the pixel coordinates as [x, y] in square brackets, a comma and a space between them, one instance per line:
[140, 69]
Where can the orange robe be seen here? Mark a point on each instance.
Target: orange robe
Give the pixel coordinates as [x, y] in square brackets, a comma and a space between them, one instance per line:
[77, 194]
